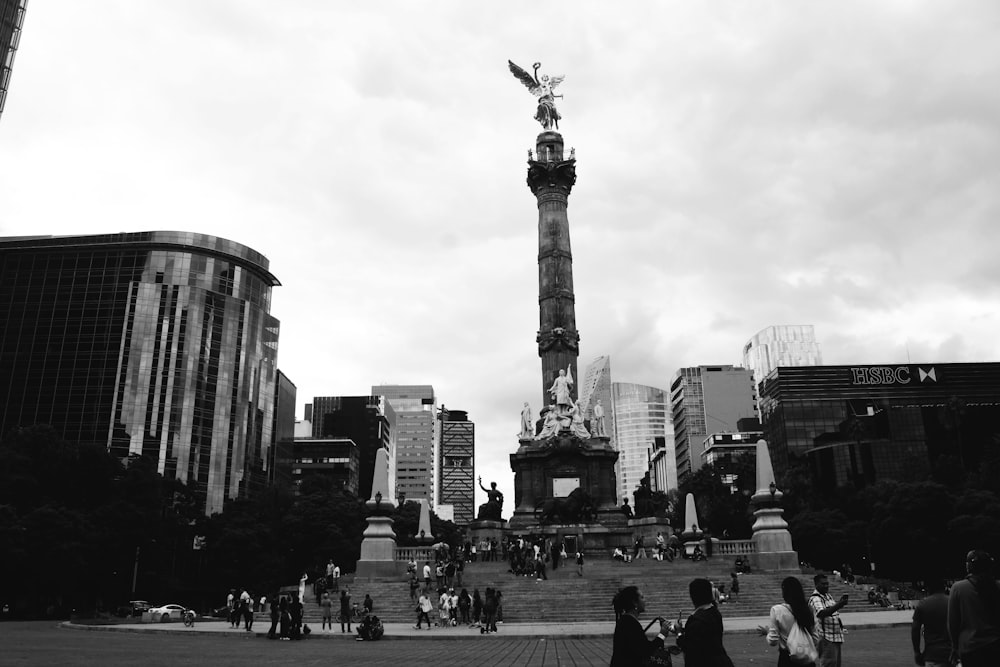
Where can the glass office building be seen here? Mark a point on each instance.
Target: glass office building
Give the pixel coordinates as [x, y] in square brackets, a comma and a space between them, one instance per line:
[781, 345]
[641, 415]
[151, 343]
[412, 432]
[860, 424]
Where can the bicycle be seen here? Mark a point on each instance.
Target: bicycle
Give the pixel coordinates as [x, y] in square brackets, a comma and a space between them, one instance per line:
[188, 617]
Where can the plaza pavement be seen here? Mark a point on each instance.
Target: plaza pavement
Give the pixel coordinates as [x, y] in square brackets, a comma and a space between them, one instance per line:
[567, 630]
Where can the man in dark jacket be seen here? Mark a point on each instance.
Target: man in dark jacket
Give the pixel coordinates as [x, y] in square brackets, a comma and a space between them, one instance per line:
[701, 636]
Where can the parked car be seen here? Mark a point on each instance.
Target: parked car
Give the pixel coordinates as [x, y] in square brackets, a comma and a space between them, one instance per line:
[168, 612]
[133, 608]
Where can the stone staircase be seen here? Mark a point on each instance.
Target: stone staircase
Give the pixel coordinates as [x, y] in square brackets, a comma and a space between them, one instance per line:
[566, 597]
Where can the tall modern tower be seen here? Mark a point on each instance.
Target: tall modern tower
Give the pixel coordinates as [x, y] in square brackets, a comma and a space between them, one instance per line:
[413, 433]
[551, 178]
[704, 400]
[457, 464]
[153, 343]
[641, 415]
[781, 345]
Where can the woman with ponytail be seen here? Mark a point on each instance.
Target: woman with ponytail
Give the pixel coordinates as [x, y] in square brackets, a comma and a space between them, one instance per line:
[794, 610]
[631, 647]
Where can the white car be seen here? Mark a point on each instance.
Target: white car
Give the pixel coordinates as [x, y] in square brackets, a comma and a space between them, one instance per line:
[167, 612]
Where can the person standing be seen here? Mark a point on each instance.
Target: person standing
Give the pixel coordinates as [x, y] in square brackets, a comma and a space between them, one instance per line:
[275, 617]
[327, 604]
[974, 614]
[734, 586]
[477, 608]
[701, 636]
[794, 610]
[930, 620]
[336, 578]
[630, 646]
[427, 575]
[831, 628]
[345, 609]
[424, 607]
[579, 563]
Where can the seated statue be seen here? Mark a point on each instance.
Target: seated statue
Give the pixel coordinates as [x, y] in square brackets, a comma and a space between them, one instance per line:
[491, 509]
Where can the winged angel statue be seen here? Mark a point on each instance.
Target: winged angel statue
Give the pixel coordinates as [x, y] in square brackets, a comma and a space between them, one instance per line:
[542, 88]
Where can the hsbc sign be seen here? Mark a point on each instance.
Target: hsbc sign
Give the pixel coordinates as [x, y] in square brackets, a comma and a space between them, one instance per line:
[883, 375]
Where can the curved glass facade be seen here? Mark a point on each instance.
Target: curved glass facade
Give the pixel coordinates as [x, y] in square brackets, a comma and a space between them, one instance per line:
[154, 343]
[641, 414]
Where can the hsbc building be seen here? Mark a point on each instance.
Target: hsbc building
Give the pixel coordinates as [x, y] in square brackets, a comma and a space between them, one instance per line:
[864, 423]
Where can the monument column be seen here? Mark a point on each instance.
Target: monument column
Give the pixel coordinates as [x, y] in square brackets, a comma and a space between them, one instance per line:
[551, 179]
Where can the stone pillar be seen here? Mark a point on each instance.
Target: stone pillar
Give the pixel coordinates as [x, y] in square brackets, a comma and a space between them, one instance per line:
[773, 550]
[551, 179]
[378, 546]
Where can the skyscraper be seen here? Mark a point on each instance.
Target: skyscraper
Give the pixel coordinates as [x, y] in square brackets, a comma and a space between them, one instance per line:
[595, 387]
[703, 400]
[11, 20]
[641, 415]
[151, 343]
[361, 419]
[413, 437]
[780, 345]
[457, 464]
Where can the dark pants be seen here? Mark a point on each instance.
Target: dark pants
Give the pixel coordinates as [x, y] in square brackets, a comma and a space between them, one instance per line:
[421, 617]
[345, 617]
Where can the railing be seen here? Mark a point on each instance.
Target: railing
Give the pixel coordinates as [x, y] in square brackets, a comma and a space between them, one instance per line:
[418, 554]
[733, 548]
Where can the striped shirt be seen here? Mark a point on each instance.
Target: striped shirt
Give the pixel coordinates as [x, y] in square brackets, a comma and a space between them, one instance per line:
[829, 627]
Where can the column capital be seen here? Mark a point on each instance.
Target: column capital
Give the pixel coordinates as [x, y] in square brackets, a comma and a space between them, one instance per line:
[554, 176]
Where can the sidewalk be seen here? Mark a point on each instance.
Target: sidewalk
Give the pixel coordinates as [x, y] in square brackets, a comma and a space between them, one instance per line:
[852, 620]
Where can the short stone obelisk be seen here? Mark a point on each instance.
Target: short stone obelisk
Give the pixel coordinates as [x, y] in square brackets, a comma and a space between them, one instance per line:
[772, 542]
[692, 534]
[424, 533]
[378, 548]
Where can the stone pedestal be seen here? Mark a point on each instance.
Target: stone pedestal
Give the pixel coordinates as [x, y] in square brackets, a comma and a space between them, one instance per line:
[378, 552]
[772, 543]
[486, 529]
[541, 468]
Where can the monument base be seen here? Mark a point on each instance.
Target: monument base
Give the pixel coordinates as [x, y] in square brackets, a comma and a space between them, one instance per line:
[378, 552]
[773, 543]
[775, 561]
[486, 529]
[380, 570]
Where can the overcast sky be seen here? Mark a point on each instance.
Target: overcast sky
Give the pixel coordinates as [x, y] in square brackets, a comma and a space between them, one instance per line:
[739, 165]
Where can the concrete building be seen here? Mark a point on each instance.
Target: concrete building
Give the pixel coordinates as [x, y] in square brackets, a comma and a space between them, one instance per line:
[335, 458]
[703, 400]
[860, 424]
[361, 419]
[412, 428]
[151, 343]
[641, 415]
[780, 345]
[722, 450]
[662, 467]
[457, 465]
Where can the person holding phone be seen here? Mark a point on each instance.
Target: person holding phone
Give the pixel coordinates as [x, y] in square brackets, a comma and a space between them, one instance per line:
[631, 647]
[831, 628]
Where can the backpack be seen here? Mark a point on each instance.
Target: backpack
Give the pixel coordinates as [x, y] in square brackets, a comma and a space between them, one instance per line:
[801, 647]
